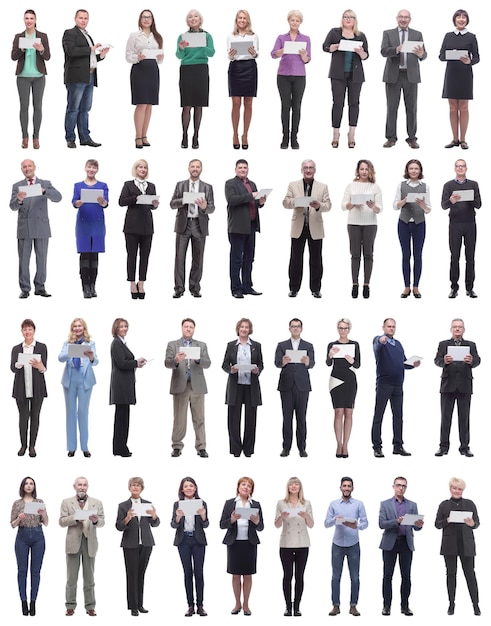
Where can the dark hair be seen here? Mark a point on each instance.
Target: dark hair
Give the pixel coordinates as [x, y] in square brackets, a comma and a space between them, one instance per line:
[400, 478]
[295, 319]
[116, 324]
[460, 12]
[31, 12]
[93, 162]
[239, 161]
[22, 493]
[188, 319]
[180, 492]
[346, 479]
[243, 320]
[410, 162]
[387, 319]
[81, 11]
[245, 479]
[27, 322]
[153, 27]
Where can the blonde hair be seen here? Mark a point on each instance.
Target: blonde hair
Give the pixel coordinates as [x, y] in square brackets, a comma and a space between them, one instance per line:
[249, 30]
[295, 13]
[71, 336]
[198, 14]
[290, 481]
[344, 320]
[352, 14]
[457, 482]
[136, 164]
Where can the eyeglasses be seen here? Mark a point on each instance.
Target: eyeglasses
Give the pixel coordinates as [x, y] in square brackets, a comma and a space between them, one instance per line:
[343, 328]
[308, 167]
[146, 17]
[295, 326]
[348, 17]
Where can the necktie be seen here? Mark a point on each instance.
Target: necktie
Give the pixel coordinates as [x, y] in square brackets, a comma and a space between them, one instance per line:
[403, 62]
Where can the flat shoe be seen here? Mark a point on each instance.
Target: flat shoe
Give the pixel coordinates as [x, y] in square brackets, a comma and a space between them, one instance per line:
[453, 144]
[463, 144]
[71, 453]
[87, 455]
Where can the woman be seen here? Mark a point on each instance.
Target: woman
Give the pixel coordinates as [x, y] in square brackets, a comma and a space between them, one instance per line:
[294, 517]
[458, 541]
[144, 76]
[29, 543]
[138, 225]
[194, 80]
[29, 385]
[241, 540]
[78, 380]
[90, 228]
[243, 362]
[342, 384]
[190, 540]
[362, 222]
[137, 542]
[242, 74]
[458, 82]
[31, 73]
[412, 225]
[122, 391]
[291, 77]
[346, 74]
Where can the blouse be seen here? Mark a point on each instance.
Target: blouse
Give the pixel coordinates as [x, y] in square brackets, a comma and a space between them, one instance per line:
[139, 42]
[362, 216]
[32, 520]
[291, 64]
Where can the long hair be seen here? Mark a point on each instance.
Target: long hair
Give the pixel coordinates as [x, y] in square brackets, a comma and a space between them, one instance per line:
[153, 27]
[72, 338]
[249, 31]
[301, 497]
[180, 492]
[22, 493]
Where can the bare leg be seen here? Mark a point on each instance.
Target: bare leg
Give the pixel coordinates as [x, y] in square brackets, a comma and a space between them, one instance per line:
[236, 100]
[454, 118]
[139, 118]
[338, 429]
[247, 585]
[348, 423]
[146, 119]
[237, 588]
[247, 118]
[463, 113]
[351, 134]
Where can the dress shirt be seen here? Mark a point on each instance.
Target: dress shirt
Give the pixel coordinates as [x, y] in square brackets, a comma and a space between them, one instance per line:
[192, 208]
[400, 512]
[244, 358]
[344, 536]
[242, 524]
[139, 42]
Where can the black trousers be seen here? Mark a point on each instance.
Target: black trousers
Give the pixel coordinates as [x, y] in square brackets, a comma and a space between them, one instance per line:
[29, 410]
[467, 563]
[136, 563]
[121, 428]
[238, 443]
[295, 269]
[294, 561]
[459, 232]
[133, 244]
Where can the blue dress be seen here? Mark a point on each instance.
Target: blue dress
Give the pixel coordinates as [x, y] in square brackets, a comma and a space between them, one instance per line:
[90, 228]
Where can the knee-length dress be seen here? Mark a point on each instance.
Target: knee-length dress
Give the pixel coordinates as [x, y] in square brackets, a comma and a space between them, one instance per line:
[459, 79]
[342, 384]
[90, 228]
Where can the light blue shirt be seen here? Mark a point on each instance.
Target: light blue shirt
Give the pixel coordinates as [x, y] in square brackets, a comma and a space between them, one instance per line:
[351, 509]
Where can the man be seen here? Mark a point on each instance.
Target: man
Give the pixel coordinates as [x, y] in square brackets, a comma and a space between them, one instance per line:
[32, 227]
[349, 516]
[391, 363]
[401, 73]
[456, 385]
[81, 515]
[294, 385]
[397, 541]
[307, 226]
[462, 226]
[81, 58]
[188, 386]
[243, 222]
[191, 224]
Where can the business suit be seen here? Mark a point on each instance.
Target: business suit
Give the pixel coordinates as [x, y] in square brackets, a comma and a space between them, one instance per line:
[307, 226]
[137, 543]
[455, 386]
[294, 387]
[81, 543]
[33, 229]
[397, 541]
[242, 225]
[188, 386]
[397, 80]
[238, 394]
[238, 562]
[190, 228]
[122, 392]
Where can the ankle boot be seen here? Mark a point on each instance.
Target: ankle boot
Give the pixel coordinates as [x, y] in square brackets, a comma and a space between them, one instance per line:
[87, 291]
[25, 609]
[32, 607]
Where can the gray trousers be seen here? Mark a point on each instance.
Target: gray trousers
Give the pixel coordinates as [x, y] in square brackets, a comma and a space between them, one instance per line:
[193, 234]
[361, 239]
[196, 402]
[24, 247]
[72, 569]
[25, 85]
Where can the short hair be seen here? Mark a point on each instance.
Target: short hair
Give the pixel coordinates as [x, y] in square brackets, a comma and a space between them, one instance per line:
[387, 319]
[346, 479]
[371, 170]
[344, 320]
[180, 492]
[93, 162]
[400, 478]
[243, 320]
[295, 13]
[80, 478]
[460, 12]
[28, 323]
[307, 161]
[116, 324]
[245, 479]
[194, 160]
[462, 160]
[457, 482]
[352, 14]
[137, 480]
[239, 161]
[411, 162]
[22, 492]
[81, 11]
[197, 13]
[457, 319]
[249, 30]
[188, 319]
[136, 164]
[71, 336]
[301, 497]
[295, 319]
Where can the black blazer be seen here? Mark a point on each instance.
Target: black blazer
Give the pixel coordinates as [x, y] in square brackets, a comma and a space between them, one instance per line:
[38, 382]
[138, 220]
[20, 55]
[456, 376]
[131, 531]
[77, 57]
[294, 373]
[199, 526]
[337, 62]
[452, 532]
[231, 534]
[238, 206]
[123, 365]
[229, 360]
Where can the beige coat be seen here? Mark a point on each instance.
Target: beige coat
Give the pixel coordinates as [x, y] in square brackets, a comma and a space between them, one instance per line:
[316, 225]
[294, 531]
[75, 528]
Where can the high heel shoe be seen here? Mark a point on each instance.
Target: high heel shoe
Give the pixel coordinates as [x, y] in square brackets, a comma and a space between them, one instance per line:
[184, 141]
[32, 608]
[351, 142]
[335, 143]
[138, 145]
[236, 146]
[195, 144]
[145, 144]
[245, 145]
[25, 142]
[416, 294]
[134, 294]
[141, 292]
[25, 608]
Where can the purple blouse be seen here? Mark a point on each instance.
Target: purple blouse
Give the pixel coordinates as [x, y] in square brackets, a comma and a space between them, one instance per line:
[291, 64]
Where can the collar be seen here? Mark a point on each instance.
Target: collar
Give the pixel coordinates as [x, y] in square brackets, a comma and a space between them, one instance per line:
[31, 345]
[461, 182]
[238, 341]
[460, 32]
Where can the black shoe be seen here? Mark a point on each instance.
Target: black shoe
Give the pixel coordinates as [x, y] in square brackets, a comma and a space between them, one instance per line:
[237, 294]
[140, 608]
[377, 452]
[441, 452]
[124, 454]
[178, 293]
[406, 611]
[471, 293]
[71, 453]
[42, 292]
[23, 295]
[297, 613]
[453, 293]
[146, 144]
[317, 294]
[176, 452]
[201, 612]
[87, 291]
[292, 294]
[93, 292]
[455, 143]
[134, 613]
[22, 451]
[196, 294]
[477, 610]
[236, 146]
[253, 292]
[354, 291]
[366, 291]
[87, 454]
[401, 451]
[451, 609]
[406, 294]
[284, 143]
[71, 144]
[284, 452]
[466, 452]
[32, 451]
[25, 607]
[294, 143]
[203, 454]
[91, 143]
[195, 143]
[386, 610]
[32, 608]
[288, 612]
[303, 453]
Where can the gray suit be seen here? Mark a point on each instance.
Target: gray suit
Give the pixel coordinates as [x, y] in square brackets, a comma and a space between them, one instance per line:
[33, 228]
[188, 386]
[81, 542]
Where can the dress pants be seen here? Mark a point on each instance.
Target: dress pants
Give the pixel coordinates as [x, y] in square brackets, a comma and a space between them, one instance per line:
[242, 249]
[192, 556]
[458, 232]
[29, 541]
[24, 247]
[447, 401]
[293, 561]
[295, 402]
[238, 443]
[196, 402]
[415, 233]
[29, 409]
[26, 84]
[393, 94]
[133, 243]
[73, 567]
[193, 234]
[467, 563]
[352, 554]
[136, 563]
[77, 400]
[79, 103]
[121, 429]
[291, 90]
[361, 239]
[339, 87]
[295, 269]
[401, 550]
[383, 394]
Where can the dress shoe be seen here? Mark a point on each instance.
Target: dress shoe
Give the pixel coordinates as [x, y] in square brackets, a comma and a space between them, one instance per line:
[142, 610]
[134, 613]
[366, 291]
[467, 453]
[386, 610]
[196, 294]
[189, 612]
[141, 294]
[354, 291]
[236, 455]
[253, 292]
[35, 143]
[455, 143]
[247, 612]
[389, 143]
[377, 453]
[124, 454]
[453, 293]
[93, 292]
[463, 144]
[292, 294]
[71, 144]
[195, 143]
[451, 609]
[237, 294]
[42, 292]
[288, 612]
[317, 294]
[69, 612]
[406, 293]
[406, 611]
[303, 453]
[23, 295]
[87, 454]
[203, 454]
[178, 293]
[477, 610]
[412, 143]
[91, 143]
[471, 293]
[335, 143]
[441, 452]
[416, 292]
[354, 611]
[32, 608]
[284, 143]
[184, 141]
[294, 143]
[22, 451]
[201, 612]
[297, 613]
[248, 454]
[146, 144]
[245, 146]
[236, 611]
[401, 451]
[176, 452]
[25, 142]
[91, 612]
[236, 146]
[335, 610]
[285, 452]
[32, 451]
[71, 453]
[138, 143]
[87, 292]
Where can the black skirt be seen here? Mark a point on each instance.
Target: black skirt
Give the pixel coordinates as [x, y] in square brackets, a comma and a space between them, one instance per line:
[145, 82]
[194, 85]
[242, 78]
[241, 558]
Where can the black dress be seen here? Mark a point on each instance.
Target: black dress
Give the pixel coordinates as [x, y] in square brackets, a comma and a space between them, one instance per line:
[459, 79]
[344, 394]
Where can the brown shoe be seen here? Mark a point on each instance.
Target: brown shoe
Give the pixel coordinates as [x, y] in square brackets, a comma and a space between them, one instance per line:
[389, 143]
[35, 143]
[91, 612]
[69, 612]
[354, 611]
[412, 143]
[335, 610]
[200, 611]
[25, 142]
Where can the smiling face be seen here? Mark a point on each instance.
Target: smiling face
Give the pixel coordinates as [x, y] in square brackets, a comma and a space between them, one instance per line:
[29, 21]
[414, 171]
[403, 19]
[194, 20]
[141, 170]
[241, 170]
[242, 22]
[78, 329]
[244, 330]
[28, 168]
[308, 170]
[28, 334]
[81, 19]
[346, 488]
[91, 170]
[135, 490]
[456, 491]
[188, 489]
[294, 22]
[195, 168]
[146, 19]
[122, 329]
[461, 21]
[293, 488]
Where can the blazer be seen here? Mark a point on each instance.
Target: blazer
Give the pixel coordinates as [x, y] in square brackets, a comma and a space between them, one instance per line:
[137, 528]
[294, 530]
[452, 532]
[337, 61]
[294, 373]
[179, 372]
[123, 365]
[229, 360]
[456, 376]
[85, 366]
[231, 534]
[316, 225]
[38, 382]
[182, 209]
[32, 218]
[199, 526]
[77, 57]
[387, 520]
[239, 206]
[20, 55]
[75, 528]
[138, 219]
[391, 41]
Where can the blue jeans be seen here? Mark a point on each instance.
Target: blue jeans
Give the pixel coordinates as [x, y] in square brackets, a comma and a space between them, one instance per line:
[79, 103]
[192, 556]
[29, 540]
[415, 234]
[352, 553]
[77, 400]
